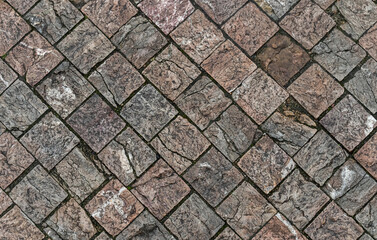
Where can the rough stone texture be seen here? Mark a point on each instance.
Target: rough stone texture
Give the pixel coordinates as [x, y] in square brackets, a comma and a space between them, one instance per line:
[369, 41]
[220, 10]
[228, 234]
[34, 57]
[334, 224]
[14, 159]
[213, 177]
[167, 14]
[298, 199]
[266, 164]
[7, 76]
[5, 201]
[276, 8]
[367, 156]
[324, 3]
[197, 36]
[160, 189]
[22, 6]
[367, 217]
[103, 236]
[2, 129]
[49, 141]
[180, 144]
[114, 207]
[320, 156]
[171, 72]
[139, 40]
[259, 95]
[315, 90]
[148, 112]
[194, 219]
[203, 102]
[85, 46]
[349, 122]
[366, 237]
[116, 79]
[307, 23]
[253, 23]
[228, 66]
[38, 194]
[65, 89]
[282, 58]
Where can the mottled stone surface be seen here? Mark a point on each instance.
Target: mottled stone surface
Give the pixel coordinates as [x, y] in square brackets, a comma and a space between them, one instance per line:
[148, 112]
[114, 207]
[220, 10]
[38, 194]
[7, 76]
[197, 36]
[369, 41]
[253, 23]
[228, 66]
[49, 141]
[85, 46]
[366, 237]
[180, 144]
[22, 6]
[194, 219]
[367, 156]
[259, 95]
[276, 8]
[282, 58]
[227, 234]
[349, 122]
[171, 72]
[324, 3]
[203, 102]
[213, 177]
[315, 90]
[307, 23]
[103, 236]
[139, 40]
[367, 217]
[334, 224]
[116, 79]
[5, 201]
[160, 189]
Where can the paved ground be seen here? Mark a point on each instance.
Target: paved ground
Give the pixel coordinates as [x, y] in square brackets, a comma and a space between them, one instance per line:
[188, 119]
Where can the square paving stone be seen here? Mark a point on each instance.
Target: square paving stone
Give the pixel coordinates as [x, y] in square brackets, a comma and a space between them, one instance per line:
[338, 54]
[116, 79]
[298, 199]
[7, 76]
[37, 194]
[324, 4]
[160, 189]
[253, 23]
[5, 201]
[213, 177]
[14, 159]
[194, 219]
[334, 224]
[197, 36]
[367, 156]
[203, 102]
[320, 156]
[228, 66]
[167, 14]
[114, 207]
[180, 144]
[349, 122]
[367, 217]
[70, 221]
[171, 72]
[65, 89]
[369, 41]
[96, 123]
[54, 18]
[245, 210]
[307, 23]
[109, 16]
[282, 58]
[139, 40]
[259, 95]
[49, 141]
[266, 164]
[220, 10]
[85, 46]
[22, 6]
[315, 90]
[276, 8]
[228, 234]
[14, 225]
[34, 57]
[148, 112]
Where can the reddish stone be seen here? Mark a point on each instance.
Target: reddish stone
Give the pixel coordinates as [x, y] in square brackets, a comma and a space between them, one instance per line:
[22, 6]
[369, 41]
[220, 10]
[5, 201]
[367, 156]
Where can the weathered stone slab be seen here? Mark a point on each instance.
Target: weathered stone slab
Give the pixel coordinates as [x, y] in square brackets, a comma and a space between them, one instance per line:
[220, 10]
[369, 41]
[368, 217]
[367, 156]
[228, 234]
[7, 76]
[276, 8]
[22, 6]
[5, 201]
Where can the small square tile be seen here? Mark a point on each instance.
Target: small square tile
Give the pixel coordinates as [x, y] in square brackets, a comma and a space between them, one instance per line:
[220, 10]
[367, 217]
[369, 41]
[197, 36]
[259, 95]
[7, 76]
[22, 6]
[171, 72]
[253, 23]
[307, 23]
[367, 156]
[160, 189]
[228, 234]
[276, 8]
[349, 122]
[194, 219]
[5, 201]
[315, 90]
[180, 144]
[49, 141]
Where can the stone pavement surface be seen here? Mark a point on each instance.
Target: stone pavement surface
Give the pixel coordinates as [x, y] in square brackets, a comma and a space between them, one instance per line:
[188, 119]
